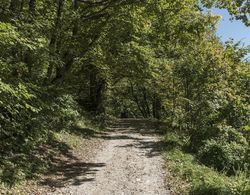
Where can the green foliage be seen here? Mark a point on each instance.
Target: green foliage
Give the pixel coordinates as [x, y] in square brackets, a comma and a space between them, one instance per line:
[238, 9]
[203, 180]
[175, 140]
[223, 156]
[228, 152]
[67, 112]
[17, 115]
[27, 120]
[155, 59]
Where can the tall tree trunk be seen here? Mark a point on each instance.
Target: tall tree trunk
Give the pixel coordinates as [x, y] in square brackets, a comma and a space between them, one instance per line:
[156, 107]
[69, 55]
[57, 25]
[75, 28]
[28, 54]
[96, 91]
[54, 36]
[28, 61]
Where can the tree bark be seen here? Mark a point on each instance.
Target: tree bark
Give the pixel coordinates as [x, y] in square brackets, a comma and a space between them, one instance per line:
[156, 107]
[68, 55]
[96, 91]
[54, 36]
[136, 100]
[14, 7]
[32, 7]
[146, 104]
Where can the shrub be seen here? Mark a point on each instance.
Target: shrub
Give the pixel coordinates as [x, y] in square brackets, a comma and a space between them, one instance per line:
[28, 117]
[174, 140]
[18, 112]
[199, 136]
[64, 112]
[223, 156]
[227, 152]
[203, 180]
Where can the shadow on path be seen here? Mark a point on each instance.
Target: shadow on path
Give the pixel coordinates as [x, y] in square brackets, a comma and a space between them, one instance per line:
[71, 174]
[66, 168]
[147, 131]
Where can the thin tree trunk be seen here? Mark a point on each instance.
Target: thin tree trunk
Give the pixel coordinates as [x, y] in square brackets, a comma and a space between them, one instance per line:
[147, 108]
[174, 99]
[22, 5]
[188, 106]
[137, 101]
[156, 107]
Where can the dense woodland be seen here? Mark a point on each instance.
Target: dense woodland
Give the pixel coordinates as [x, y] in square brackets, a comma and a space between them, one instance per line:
[62, 60]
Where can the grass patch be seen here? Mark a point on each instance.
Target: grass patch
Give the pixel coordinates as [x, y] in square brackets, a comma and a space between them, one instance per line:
[202, 180]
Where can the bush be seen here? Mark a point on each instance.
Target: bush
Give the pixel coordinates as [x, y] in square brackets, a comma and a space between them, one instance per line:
[223, 156]
[19, 109]
[199, 136]
[203, 180]
[28, 117]
[227, 152]
[174, 140]
[64, 112]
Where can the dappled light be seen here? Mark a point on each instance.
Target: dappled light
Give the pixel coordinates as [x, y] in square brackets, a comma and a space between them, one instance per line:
[107, 97]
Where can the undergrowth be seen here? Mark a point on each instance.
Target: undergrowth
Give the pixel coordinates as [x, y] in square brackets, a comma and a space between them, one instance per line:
[201, 180]
[19, 168]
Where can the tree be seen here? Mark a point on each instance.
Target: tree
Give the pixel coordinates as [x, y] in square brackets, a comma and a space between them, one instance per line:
[238, 9]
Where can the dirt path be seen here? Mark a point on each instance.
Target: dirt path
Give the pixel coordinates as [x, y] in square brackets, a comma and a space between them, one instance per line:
[129, 163]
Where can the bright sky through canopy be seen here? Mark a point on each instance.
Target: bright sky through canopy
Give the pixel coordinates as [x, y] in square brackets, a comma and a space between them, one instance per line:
[231, 29]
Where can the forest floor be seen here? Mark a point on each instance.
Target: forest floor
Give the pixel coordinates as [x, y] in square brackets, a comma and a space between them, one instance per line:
[126, 159]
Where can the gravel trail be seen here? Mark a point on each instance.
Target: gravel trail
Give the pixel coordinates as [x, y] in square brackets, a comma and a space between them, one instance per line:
[129, 163]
